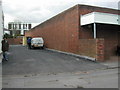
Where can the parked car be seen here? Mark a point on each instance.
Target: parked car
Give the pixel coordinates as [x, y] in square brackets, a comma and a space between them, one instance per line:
[37, 42]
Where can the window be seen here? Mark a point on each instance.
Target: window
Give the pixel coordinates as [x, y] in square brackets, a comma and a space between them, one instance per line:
[26, 26]
[9, 26]
[29, 26]
[15, 26]
[23, 26]
[19, 26]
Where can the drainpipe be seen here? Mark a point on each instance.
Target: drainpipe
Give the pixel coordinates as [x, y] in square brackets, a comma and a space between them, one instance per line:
[95, 35]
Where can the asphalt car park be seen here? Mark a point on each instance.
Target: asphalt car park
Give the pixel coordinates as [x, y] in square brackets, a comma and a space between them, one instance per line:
[26, 61]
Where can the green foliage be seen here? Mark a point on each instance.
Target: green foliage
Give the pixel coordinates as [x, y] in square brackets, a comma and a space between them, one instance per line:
[16, 35]
[8, 36]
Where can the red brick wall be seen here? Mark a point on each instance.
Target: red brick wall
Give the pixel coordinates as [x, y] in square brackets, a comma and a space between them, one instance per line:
[108, 32]
[92, 47]
[63, 31]
[60, 32]
[87, 47]
[110, 35]
[100, 50]
[84, 9]
[86, 33]
[15, 41]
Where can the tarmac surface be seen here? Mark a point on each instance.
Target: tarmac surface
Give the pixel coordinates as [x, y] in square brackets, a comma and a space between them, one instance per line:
[47, 69]
[25, 61]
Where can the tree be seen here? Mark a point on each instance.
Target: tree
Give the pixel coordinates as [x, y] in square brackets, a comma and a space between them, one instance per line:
[8, 36]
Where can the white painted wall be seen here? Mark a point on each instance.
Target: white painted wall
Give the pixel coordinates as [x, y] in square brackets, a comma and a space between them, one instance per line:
[1, 24]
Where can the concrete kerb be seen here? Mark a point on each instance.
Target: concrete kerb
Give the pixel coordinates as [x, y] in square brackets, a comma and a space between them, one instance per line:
[74, 55]
[109, 65]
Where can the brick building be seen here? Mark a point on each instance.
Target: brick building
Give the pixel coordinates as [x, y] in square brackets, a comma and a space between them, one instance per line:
[85, 30]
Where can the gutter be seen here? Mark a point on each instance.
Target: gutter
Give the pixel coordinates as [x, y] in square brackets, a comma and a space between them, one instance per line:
[74, 55]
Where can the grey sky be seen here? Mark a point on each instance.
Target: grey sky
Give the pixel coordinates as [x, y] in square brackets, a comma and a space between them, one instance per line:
[37, 11]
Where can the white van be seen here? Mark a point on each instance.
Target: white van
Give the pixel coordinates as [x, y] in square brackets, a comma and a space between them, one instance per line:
[37, 42]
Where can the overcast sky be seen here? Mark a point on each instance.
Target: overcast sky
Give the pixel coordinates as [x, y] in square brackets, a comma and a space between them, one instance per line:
[37, 11]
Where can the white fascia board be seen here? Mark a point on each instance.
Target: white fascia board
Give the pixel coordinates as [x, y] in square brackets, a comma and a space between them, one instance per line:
[97, 17]
[87, 19]
[106, 18]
